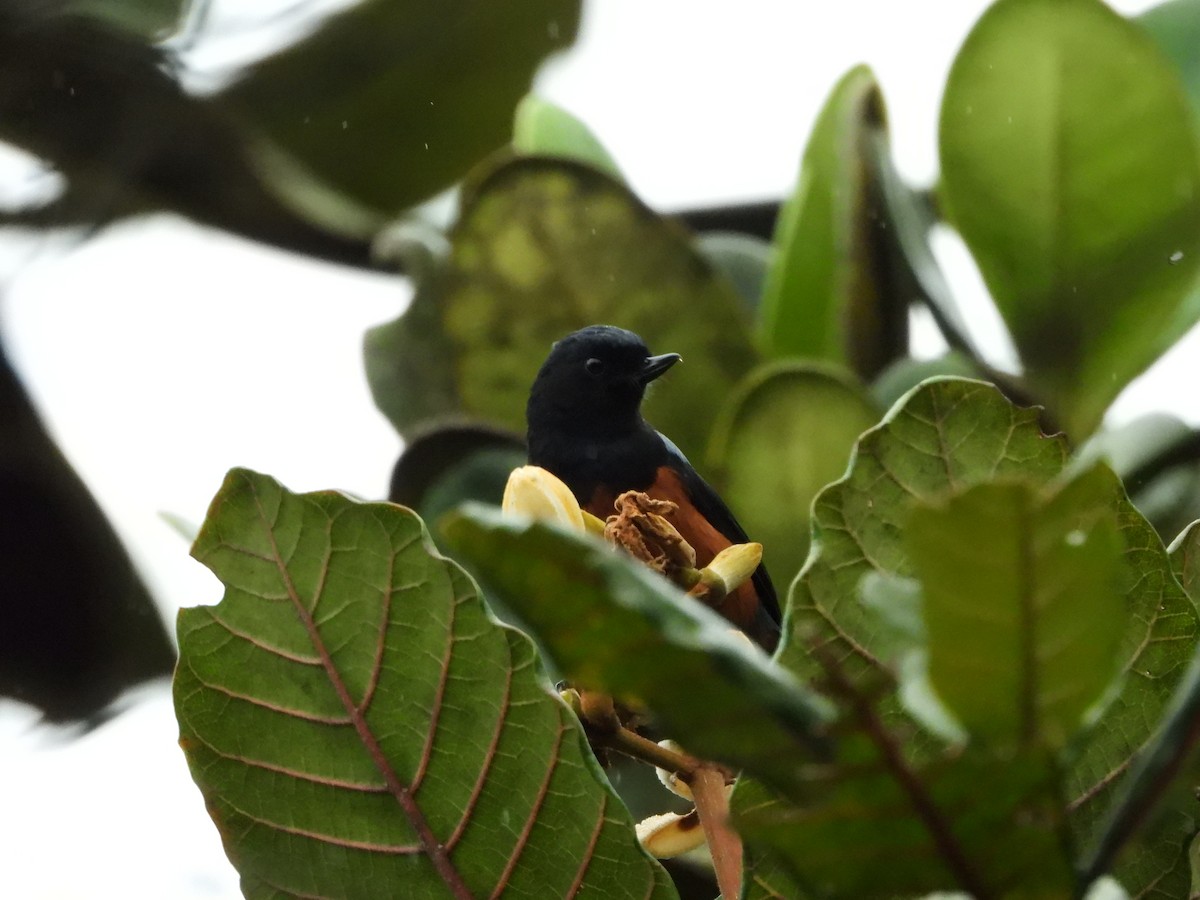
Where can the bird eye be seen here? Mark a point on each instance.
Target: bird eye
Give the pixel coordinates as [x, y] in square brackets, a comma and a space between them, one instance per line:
[594, 366]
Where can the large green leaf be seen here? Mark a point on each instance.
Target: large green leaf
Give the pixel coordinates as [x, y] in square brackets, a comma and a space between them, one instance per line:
[784, 435]
[1023, 604]
[391, 101]
[823, 297]
[360, 727]
[979, 821]
[547, 246]
[609, 623]
[947, 436]
[1070, 164]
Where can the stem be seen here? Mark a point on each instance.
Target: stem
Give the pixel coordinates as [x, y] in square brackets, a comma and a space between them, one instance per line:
[712, 805]
[633, 744]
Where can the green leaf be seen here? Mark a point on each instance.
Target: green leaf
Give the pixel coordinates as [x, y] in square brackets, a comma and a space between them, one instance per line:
[1158, 833]
[1087, 237]
[611, 624]
[823, 298]
[742, 258]
[409, 361]
[545, 247]
[150, 20]
[1155, 651]
[1175, 27]
[543, 129]
[1023, 604]
[783, 435]
[391, 101]
[360, 726]
[860, 834]
[947, 436]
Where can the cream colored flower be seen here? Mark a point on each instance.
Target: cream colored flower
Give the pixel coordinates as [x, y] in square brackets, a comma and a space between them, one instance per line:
[536, 494]
[670, 834]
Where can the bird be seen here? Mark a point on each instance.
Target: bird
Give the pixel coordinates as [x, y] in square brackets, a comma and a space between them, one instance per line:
[585, 426]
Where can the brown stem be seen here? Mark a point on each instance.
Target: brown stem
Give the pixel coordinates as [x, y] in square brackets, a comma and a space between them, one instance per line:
[623, 740]
[712, 805]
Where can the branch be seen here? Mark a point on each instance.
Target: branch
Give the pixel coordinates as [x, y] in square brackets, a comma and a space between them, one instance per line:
[712, 805]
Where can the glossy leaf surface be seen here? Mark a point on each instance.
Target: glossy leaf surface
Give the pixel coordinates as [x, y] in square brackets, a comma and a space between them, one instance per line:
[1088, 240]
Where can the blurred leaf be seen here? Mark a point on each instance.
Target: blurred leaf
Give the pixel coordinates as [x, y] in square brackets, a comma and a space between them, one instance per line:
[450, 463]
[1175, 27]
[390, 101]
[1088, 240]
[1155, 455]
[409, 361]
[767, 877]
[543, 129]
[545, 247]
[823, 297]
[360, 726]
[103, 109]
[783, 435]
[598, 612]
[742, 258]
[866, 834]
[77, 625]
[915, 271]
[150, 20]
[1022, 604]
[905, 374]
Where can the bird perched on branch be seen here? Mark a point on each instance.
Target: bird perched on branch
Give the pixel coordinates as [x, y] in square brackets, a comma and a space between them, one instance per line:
[585, 425]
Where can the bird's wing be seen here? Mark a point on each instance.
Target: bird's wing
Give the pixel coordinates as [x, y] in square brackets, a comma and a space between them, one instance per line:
[710, 505]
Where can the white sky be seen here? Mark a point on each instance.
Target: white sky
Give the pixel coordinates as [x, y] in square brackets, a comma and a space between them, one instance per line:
[163, 354]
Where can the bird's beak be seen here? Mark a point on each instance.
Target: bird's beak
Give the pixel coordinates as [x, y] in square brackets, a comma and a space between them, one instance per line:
[656, 365]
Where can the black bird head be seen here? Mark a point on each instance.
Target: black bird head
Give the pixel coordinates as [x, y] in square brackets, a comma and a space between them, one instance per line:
[593, 382]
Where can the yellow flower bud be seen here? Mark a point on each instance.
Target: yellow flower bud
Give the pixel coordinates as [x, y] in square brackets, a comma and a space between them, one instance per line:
[731, 568]
[536, 494]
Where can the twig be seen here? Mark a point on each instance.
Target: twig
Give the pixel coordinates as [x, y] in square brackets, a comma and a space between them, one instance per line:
[712, 805]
